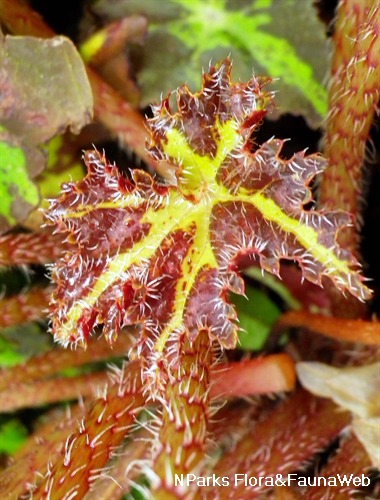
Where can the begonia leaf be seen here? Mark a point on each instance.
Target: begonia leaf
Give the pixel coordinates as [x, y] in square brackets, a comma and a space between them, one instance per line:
[45, 86]
[44, 89]
[19, 164]
[165, 256]
[267, 35]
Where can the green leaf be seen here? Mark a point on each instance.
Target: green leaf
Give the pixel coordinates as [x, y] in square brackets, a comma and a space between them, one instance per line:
[46, 86]
[212, 25]
[8, 356]
[63, 165]
[139, 490]
[44, 90]
[12, 436]
[274, 284]
[18, 165]
[15, 187]
[263, 35]
[256, 313]
[17, 343]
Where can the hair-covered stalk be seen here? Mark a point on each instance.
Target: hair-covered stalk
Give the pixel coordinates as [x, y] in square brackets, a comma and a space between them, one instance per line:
[180, 444]
[122, 472]
[280, 443]
[49, 364]
[42, 392]
[102, 430]
[48, 440]
[351, 460]
[353, 99]
[30, 248]
[262, 375]
[27, 306]
[349, 330]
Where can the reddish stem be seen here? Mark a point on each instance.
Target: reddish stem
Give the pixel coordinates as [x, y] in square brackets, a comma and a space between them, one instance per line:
[30, 248]
[349, 330]
[24, 307]
[89, 449]
[274, 373]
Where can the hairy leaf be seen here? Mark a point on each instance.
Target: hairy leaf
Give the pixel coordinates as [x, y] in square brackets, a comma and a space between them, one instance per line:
[165, 256]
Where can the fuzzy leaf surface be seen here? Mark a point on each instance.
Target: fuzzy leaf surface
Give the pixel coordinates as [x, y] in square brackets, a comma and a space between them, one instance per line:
[166, 255]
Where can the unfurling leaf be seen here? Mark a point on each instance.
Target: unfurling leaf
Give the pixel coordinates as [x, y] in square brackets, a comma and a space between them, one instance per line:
[166, 255]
